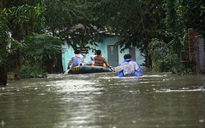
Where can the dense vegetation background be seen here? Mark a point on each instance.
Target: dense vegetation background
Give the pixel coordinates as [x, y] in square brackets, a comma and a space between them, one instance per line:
[32, 31]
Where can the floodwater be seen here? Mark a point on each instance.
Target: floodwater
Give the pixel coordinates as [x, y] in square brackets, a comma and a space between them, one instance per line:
[104, 101]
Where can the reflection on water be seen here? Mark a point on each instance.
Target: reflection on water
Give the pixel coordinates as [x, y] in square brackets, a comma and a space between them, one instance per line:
[104, 101]
[81, 98]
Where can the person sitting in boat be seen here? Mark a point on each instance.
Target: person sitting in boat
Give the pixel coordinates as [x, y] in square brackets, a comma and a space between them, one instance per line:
[76, 60]
[91, 62]
[100, 61]
[128, 67]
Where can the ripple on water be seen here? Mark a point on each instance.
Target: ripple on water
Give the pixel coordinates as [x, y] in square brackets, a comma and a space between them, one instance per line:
[180, 90]
[75, 86]
[80, 96]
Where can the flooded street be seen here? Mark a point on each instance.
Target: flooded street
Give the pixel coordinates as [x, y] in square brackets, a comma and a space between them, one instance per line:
[104, 101]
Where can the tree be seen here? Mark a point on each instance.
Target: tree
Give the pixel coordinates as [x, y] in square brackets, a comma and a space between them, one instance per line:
[71, 21]
[23, 21]
[134, 22]
[54, 21]
[138, 22]
[4, 49]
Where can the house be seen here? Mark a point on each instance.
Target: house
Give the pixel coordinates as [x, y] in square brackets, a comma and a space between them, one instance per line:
[110, 52]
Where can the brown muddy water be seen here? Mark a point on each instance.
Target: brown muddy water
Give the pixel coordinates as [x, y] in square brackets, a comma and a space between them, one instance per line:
[104, 101]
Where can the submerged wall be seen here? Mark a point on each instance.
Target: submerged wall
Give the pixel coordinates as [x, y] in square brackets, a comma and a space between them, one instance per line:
[196, 50]
[199, 54]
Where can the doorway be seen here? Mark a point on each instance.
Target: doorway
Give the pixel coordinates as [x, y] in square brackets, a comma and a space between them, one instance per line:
[112, 55]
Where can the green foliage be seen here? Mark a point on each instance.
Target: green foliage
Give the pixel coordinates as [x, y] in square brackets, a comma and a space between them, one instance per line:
[24, 20]
[41, 45]
[38, 49]
[31, 69]
[15, 46]
[4, 36]
[71, 21]
[163, 58]
[136, 23]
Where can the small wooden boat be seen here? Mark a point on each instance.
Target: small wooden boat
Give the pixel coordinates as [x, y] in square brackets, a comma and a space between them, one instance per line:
[88, 69]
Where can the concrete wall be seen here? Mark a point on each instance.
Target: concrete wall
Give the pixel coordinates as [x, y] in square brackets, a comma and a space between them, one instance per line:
[199, 54]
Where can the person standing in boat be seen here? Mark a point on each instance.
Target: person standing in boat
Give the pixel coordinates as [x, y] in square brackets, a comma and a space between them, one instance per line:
[76, 60]
[100, 61]
[128, 67]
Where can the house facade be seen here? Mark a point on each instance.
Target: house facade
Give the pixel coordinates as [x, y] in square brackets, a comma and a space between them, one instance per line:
[110, 52]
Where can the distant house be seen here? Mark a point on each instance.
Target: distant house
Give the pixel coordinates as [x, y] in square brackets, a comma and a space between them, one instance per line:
[110, 52]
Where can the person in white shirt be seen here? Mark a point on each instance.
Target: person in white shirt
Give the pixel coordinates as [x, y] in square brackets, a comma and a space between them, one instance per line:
[76, 60]
[128, 67]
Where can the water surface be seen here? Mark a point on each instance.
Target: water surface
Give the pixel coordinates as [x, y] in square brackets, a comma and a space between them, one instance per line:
[104, 101]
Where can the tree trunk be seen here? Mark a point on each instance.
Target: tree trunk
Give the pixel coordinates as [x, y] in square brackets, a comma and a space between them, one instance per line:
[148, 62]
[3, 76]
